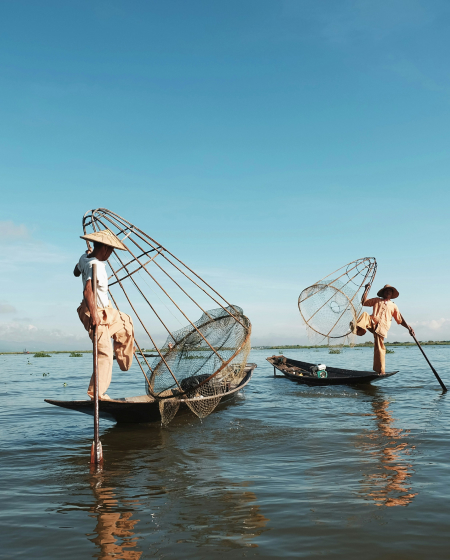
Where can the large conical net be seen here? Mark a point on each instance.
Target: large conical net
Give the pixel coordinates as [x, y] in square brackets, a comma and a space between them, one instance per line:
[331, 306]
[185, 360]
[203, 375]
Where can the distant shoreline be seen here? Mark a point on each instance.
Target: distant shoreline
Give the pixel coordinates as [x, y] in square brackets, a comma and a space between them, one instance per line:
[368, 344]
[282, 347]
[32, 352]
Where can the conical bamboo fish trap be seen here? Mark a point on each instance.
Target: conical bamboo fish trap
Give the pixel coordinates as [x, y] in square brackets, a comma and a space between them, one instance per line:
[202, 341]
[331, 306]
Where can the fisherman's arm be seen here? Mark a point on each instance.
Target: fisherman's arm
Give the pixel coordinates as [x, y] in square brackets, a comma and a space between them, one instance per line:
[76, 271]
[365, 294]
[89, 298]
[401, 321]
[365, 302]
[405, 324]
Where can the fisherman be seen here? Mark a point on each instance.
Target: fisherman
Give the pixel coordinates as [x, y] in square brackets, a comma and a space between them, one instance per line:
[109, 321]
[380, 322]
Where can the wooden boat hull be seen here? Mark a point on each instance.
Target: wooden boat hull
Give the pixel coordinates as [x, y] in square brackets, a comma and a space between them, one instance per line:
[140, 409]
[300, 372]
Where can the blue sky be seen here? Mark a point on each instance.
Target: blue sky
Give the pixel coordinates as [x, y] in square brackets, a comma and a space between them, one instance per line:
[264, 143]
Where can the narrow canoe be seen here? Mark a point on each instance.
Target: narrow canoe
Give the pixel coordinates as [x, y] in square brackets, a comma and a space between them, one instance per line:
[142, 408]
[301, 373]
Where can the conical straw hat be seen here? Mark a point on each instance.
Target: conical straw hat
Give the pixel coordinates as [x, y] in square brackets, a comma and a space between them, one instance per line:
[395, 293]
[106, 237]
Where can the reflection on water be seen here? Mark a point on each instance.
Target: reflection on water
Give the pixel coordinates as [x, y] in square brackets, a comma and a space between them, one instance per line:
[246, 513]
[391, 484]
[231, 516]
[114, 530]
[181, 497]
[280, 473]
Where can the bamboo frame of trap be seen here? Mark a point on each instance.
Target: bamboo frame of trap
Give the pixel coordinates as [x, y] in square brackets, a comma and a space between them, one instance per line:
[370, 264]
[101, 218]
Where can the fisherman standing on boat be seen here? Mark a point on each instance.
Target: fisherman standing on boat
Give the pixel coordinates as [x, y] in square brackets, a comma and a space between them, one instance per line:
[380, 322]
[109, 321]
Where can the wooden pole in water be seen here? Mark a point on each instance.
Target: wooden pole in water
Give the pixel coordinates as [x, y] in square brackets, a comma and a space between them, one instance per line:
[96, 449]
[444, 388]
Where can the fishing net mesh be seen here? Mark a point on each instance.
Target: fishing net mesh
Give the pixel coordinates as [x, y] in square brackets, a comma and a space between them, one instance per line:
[330, 308]
[198, 365]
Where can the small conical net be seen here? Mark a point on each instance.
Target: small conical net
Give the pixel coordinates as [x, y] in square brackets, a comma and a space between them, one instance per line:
[196, 361]
[168, 409]
[331, 306]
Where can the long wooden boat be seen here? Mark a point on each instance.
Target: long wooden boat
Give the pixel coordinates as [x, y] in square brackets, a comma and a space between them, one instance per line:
[143, 408]
[301, 372]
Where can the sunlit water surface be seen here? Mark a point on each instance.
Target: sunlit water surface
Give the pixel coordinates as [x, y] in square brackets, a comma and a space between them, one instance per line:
[285, 471]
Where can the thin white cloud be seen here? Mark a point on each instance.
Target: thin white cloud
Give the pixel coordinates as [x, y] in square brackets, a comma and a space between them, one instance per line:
[18, 249]
[344, 21]
[240, 278]
[16, 335]
[21, 250]
[433, 324]
[7, 308]
[9, 231]
[409, 71]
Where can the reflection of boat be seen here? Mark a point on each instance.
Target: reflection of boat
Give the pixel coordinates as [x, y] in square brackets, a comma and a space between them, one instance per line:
[301, 373]
[143, 408]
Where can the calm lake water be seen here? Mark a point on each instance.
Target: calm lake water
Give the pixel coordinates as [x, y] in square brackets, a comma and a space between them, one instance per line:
[286, 471]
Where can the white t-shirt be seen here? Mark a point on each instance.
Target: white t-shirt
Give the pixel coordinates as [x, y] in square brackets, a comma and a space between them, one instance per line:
[85, 265]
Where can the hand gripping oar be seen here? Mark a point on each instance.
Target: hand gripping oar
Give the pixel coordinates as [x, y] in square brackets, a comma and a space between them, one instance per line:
[96, 449]
[444, 388]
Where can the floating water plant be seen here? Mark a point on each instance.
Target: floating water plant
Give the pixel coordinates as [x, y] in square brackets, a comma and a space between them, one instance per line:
[389, 351]
[75, 355]
[42, 355]
[334, 351]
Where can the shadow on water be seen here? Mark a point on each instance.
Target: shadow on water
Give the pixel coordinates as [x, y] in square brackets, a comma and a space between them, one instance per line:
[387, 480]
[155, 488]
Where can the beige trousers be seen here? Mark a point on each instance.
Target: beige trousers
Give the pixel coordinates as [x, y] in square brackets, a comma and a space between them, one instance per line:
[113, 324]
[365, 322]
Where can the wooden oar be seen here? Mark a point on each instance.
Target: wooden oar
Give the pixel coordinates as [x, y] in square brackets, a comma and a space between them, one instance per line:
[96, 449]
[444, 388]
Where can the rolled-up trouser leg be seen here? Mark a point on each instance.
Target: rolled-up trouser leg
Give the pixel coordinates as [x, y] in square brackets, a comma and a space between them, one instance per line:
[379, 354]
[121, 329]
[364, 324]
[105, 361]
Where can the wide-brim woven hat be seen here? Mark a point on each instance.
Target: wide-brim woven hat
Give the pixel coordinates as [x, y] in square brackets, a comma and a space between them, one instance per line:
[106, 237]
[395, 293]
